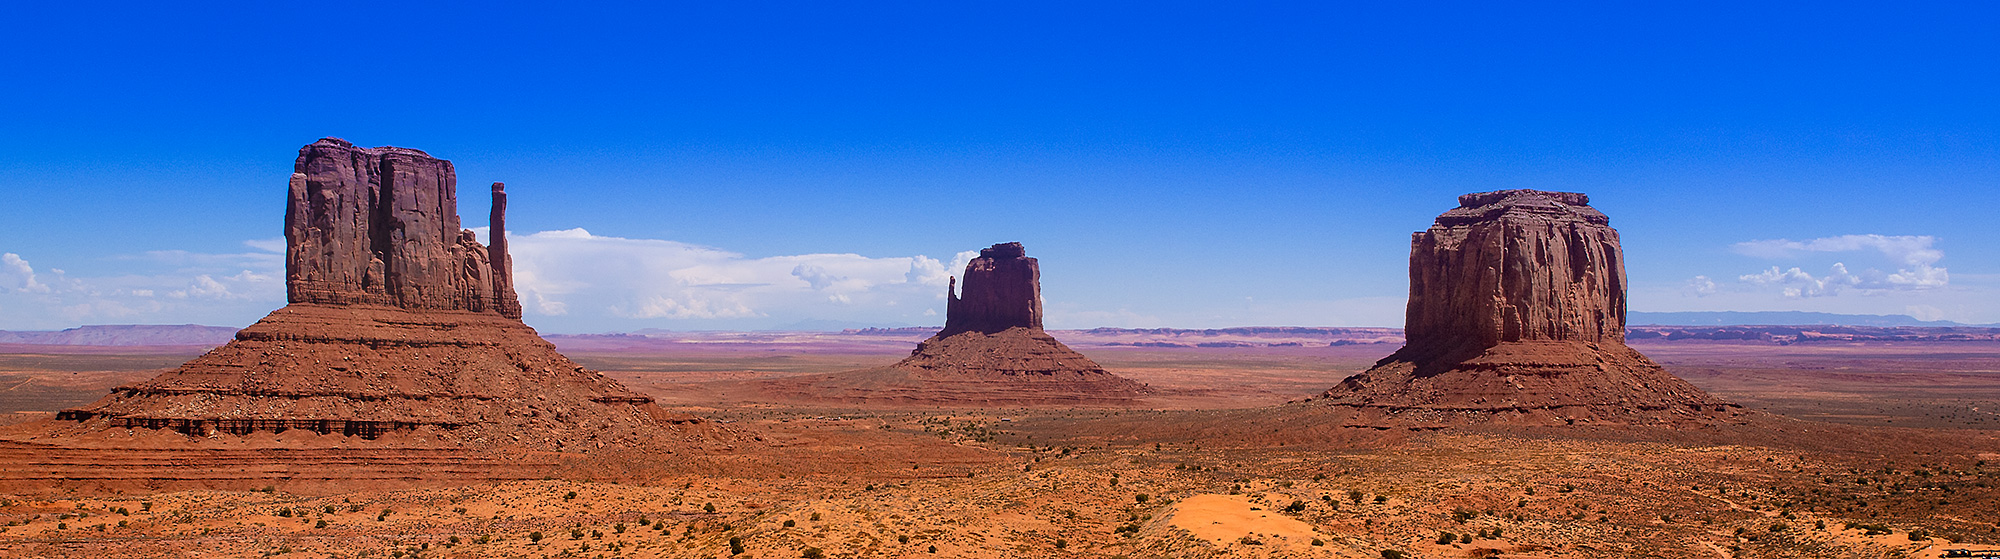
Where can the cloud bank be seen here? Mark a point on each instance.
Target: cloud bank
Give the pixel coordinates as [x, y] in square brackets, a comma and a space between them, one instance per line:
[573, 273]
[1914, 256]
[161, 286]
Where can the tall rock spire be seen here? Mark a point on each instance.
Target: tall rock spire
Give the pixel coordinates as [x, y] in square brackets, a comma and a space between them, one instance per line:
[505, 301]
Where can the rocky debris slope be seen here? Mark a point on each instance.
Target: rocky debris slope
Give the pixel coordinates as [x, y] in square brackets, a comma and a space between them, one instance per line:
[1516, 314]
[992, 352]
[399, 322]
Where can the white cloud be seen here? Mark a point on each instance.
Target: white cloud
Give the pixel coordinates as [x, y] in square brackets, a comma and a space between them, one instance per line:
[274, 244]
[20, 275]
[1914, 256]
[1909, 250]
[1699, 286]
[576, 274]
[173, 286]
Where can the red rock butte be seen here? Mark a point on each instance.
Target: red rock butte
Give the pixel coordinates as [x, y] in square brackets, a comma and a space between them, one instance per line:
[399, 321]
[992, 352]
[1517, 315]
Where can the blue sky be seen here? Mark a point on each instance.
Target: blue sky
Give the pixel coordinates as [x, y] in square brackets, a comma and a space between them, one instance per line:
[1180, 165]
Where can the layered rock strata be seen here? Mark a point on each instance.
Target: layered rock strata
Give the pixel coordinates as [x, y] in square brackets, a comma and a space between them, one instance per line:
[1517, 314]
[399, 322]
[991, 352]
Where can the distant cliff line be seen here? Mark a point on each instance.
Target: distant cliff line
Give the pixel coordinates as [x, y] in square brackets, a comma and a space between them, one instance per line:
[1250, 336]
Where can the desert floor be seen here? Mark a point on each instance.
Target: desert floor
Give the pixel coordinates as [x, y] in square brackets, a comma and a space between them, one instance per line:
[1056, 483]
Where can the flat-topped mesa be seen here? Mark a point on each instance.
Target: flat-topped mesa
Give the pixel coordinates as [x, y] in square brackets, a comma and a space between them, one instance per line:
[380, 226]
[1517, 315]
[1003, 289]
[1516, 265]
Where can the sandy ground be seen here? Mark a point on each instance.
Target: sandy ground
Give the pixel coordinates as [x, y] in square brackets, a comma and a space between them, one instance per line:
[1028, 483]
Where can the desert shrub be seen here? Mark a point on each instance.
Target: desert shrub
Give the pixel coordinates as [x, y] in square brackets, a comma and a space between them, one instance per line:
[791, 523]
[1142, 498]
[815, 517]
[1062, 543]
[569, 496]
[1919, 535]
[576, 534]
[535, 537]
[1296, 506]
[1393, 554]
[320, 524]
[814, 553]
[735, 545]
[1445, 538]
[1355, 495]
[1379, 499]
[1318, 542]
[708, 507]
[1465, 538]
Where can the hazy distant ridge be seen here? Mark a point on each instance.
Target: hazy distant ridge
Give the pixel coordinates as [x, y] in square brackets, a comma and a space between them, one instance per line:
[125, 335]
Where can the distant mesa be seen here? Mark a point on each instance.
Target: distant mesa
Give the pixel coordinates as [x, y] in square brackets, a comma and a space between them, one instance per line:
[991, 352]
[399, 321]
[1517, 315]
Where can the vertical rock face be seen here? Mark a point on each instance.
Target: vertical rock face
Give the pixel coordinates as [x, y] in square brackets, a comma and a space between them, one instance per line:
[1516, 265]
[1517, 315]
[380, 226]
[1003, 289]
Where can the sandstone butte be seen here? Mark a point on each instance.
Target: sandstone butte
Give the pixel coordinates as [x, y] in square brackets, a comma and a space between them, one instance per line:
[991, 352]
[1517, 316]
[400, 324]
